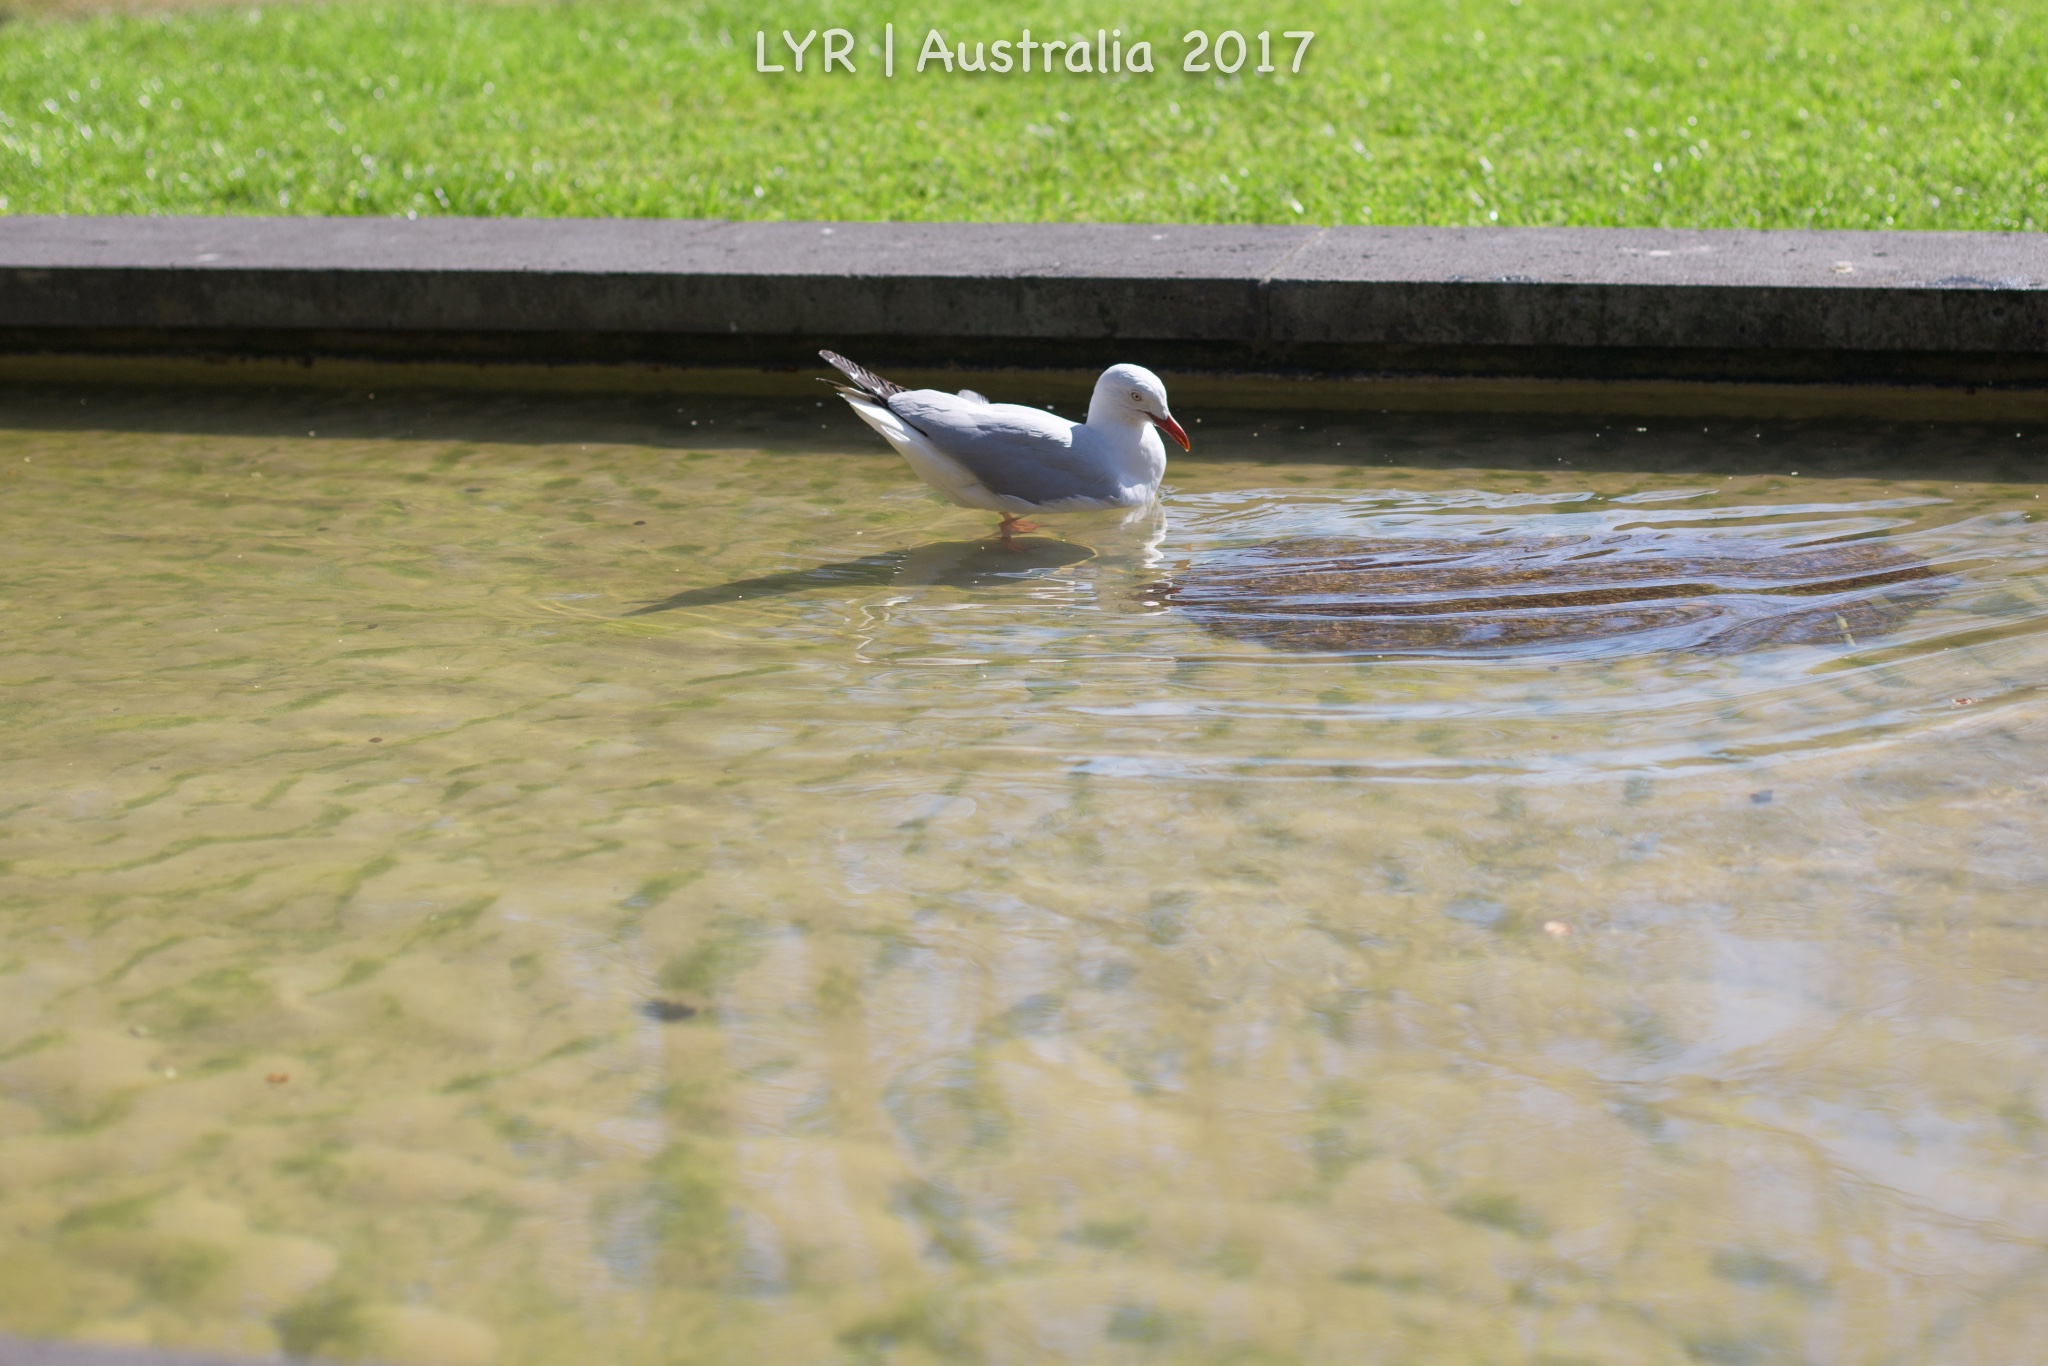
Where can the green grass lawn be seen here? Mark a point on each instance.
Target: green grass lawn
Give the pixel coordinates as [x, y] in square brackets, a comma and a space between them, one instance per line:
[1817, 113]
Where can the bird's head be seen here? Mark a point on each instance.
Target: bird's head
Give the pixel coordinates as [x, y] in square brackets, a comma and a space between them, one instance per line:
[1131, 393]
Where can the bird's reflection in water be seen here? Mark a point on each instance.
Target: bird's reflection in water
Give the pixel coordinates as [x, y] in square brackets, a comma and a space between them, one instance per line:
[1510, 594]
[954, 564]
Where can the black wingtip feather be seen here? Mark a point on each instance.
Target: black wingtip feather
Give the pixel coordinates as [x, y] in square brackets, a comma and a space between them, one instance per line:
[862, 377]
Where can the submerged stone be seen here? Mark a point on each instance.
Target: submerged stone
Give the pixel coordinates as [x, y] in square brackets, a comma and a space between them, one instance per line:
[1502, 594]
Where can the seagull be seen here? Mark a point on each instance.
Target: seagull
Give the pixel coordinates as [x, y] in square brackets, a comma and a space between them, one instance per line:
[1015, 460]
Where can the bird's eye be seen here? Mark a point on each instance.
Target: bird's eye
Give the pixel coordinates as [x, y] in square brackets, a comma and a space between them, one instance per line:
[1137, 397]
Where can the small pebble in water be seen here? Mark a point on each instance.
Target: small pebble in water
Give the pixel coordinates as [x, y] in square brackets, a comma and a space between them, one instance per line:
[376, 739]
[278, 1078]
[1762, 798]
[667, 1011]
[1966, 701]
[1557, 929]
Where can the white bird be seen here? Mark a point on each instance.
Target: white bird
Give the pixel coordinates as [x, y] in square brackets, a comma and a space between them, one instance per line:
[1015, 460]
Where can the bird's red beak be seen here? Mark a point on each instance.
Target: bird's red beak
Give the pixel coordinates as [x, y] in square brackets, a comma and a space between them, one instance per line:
[1172, 429]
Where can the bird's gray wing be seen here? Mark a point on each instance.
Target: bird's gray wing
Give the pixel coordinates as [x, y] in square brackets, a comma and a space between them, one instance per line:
[1015, 452]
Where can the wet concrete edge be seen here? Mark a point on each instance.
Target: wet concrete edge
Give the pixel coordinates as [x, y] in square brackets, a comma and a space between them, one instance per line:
[1947, 309]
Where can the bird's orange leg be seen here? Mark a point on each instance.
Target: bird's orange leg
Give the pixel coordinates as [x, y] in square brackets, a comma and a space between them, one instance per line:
[1012, 524]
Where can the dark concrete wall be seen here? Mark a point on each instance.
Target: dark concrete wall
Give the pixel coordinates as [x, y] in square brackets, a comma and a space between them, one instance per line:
[1945, 308]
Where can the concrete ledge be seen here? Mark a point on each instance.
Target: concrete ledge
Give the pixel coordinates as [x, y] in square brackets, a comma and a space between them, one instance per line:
[1956, 309]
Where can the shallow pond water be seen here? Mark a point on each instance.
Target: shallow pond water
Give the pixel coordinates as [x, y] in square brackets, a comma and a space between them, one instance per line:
[548, 882]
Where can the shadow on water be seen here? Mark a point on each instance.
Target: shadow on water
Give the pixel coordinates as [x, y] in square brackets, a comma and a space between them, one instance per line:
[1538, 593]
[953, 564]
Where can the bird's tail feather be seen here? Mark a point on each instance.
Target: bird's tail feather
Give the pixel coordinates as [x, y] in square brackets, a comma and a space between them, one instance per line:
[863, 378]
